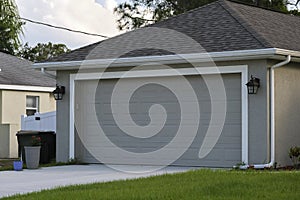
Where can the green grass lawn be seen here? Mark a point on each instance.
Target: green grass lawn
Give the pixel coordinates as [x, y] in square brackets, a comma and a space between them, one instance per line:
[200, 184]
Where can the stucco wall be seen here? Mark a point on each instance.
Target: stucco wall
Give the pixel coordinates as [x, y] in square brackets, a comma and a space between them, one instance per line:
[8, 142]
[258, 118]
[13, 105]
[62, 118]
[258, 113]
[0, 106]
[4, 140]
[257, 108]
[287, 111]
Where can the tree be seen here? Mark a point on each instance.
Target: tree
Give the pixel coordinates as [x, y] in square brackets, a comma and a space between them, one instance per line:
[138, 13]
[10, 27]
[42, 52]
[278, 5]
[294, 7]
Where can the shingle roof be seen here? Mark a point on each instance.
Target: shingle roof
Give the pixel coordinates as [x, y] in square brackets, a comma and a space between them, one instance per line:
[78, 54]
[17, 71]
[272, 28]
[220, 26]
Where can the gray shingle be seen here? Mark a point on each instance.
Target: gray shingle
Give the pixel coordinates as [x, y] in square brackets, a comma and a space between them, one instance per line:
[17, 71]
[278, 29]
[78, 54]
[219, 26]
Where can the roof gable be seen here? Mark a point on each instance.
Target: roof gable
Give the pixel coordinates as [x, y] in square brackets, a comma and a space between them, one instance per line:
[216, 27]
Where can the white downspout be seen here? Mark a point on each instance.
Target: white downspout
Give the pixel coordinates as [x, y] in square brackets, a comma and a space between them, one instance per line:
[47, 74]
[272, 114]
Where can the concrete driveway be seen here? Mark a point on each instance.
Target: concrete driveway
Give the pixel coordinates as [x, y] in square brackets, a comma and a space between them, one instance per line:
[12, 182]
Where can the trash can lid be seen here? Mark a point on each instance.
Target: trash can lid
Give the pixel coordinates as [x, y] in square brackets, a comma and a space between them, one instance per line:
[22, 132]
[28, 132]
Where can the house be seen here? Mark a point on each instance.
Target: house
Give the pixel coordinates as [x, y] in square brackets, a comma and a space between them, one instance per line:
[23, 90]
[174, 93]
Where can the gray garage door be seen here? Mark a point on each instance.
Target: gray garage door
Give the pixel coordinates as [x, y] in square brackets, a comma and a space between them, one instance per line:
[93, 109]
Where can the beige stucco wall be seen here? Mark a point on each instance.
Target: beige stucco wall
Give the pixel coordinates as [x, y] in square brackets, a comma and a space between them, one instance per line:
[13, 105]
[8, 142]
[4, 140]
[287, 111]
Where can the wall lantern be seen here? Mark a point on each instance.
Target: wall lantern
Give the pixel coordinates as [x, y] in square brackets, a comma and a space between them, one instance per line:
[253, 85]
[59, 92]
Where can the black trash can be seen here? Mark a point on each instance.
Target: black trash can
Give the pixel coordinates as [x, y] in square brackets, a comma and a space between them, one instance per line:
[48, 146]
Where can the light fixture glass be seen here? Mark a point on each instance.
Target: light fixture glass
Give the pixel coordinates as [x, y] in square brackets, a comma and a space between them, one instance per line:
[253, 85]
[58, 92]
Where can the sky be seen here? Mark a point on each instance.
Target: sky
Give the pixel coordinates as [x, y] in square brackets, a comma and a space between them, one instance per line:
[94, 16]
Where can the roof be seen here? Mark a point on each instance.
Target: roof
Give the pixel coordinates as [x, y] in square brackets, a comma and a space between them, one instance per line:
[217, 27]
[17, 71]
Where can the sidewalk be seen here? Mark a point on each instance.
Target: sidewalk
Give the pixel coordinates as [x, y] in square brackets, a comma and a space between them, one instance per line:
[12, 182]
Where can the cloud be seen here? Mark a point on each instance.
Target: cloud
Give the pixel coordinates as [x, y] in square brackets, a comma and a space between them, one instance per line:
[108, 4]
[94, 16]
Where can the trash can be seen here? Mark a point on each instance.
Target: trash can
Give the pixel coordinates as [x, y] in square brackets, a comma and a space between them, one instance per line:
[48, 146]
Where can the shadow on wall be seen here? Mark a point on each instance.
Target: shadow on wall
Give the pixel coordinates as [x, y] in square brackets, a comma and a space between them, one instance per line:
[8, 141]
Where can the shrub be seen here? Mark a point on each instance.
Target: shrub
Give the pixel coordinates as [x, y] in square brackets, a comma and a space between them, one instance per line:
[294, 154]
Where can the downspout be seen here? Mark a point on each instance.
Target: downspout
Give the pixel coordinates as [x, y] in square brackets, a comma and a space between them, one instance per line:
[272, 114]
[47, 74]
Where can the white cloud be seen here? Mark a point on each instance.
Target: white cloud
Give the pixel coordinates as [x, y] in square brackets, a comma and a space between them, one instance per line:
[110, 4]
[94, 16]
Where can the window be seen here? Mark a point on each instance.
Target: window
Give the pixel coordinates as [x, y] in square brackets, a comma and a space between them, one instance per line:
[32, 105]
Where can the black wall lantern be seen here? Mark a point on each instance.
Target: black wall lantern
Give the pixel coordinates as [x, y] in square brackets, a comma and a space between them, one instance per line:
[59, 92]
[253, 85]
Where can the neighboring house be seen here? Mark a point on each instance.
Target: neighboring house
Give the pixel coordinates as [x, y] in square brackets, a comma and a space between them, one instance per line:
[23, 90]
[234, 126]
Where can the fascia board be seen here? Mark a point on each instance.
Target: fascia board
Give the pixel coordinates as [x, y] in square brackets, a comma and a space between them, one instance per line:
[270, 53]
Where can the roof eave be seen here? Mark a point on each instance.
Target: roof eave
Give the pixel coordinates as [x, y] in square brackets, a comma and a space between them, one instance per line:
[26, 88]
[269, 53]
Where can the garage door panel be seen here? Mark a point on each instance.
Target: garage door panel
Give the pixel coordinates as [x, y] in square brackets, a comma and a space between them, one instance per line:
[233, 106]
[233, 94]
[231, 154]
[226, 152]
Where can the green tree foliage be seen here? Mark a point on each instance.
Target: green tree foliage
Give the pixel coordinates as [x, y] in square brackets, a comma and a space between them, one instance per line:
[294, 6]
[10, 27]
[279, 5]
[42, 52]
[137, 13]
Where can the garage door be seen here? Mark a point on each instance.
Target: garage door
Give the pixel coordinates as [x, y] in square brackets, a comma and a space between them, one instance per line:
[94, 113]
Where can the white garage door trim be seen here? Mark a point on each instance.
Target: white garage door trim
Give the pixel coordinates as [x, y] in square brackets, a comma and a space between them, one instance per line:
[241, 69]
